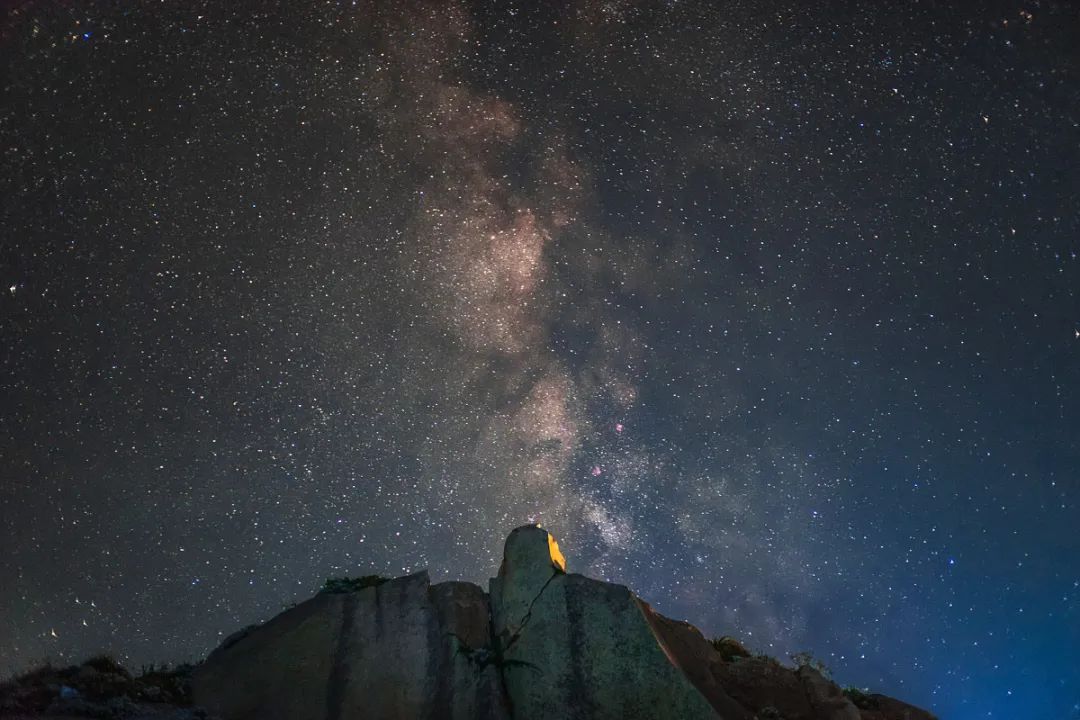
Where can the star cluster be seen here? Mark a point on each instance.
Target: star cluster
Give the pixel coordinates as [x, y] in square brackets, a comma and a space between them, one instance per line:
[768, 310]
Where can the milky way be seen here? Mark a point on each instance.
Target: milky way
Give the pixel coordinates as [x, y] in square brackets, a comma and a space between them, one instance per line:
[769, 312]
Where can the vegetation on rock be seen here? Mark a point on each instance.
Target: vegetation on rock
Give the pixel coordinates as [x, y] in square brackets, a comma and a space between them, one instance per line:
[99, 687]
[347, 584]
[729, 648]
[858, 698]
[806, 659]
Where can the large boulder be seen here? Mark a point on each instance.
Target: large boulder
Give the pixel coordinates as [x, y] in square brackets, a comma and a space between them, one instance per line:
[401, 649]
[575, 648]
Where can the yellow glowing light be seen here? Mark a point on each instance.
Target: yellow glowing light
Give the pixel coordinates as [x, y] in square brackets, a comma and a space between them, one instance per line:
[556, 554]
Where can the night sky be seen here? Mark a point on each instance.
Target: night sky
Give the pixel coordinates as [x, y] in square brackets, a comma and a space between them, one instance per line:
[769, 310]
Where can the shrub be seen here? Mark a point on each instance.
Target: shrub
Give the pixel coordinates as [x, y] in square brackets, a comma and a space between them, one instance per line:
[858, 698]
[805, 659]
[729, 648]
[347, 584]
[769, 659]
[106, 664]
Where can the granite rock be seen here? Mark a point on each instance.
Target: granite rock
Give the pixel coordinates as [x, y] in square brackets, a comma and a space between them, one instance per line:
[402, 649]
[543, 644]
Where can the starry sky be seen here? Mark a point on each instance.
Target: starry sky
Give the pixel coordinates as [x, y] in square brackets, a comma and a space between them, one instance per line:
[769, 310]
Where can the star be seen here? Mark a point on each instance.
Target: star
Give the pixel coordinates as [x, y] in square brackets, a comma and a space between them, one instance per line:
[448, 318]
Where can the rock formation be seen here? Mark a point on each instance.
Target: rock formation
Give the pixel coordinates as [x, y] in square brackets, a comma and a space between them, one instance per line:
[543, 645]
[400, 649]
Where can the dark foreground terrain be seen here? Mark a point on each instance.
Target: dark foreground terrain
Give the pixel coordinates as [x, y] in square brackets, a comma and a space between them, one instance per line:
[540, 643]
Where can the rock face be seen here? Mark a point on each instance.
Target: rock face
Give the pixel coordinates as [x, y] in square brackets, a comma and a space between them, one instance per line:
[579, 648]
[546, 645]
[397, 650]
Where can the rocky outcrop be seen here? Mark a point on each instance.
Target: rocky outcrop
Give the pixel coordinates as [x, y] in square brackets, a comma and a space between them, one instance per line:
[402, 649]
[544, 645]
[574, 647]
[827, 701]
[882, 707]
[689, 651]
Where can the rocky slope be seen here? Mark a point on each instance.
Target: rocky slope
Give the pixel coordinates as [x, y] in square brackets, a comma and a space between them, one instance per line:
[542, 644]
[100, 688]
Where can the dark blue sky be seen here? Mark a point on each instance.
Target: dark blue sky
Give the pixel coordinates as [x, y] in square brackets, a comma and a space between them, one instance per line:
[768, 310]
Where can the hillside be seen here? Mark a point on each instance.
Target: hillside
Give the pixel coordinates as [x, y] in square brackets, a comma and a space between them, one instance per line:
[541, 643]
